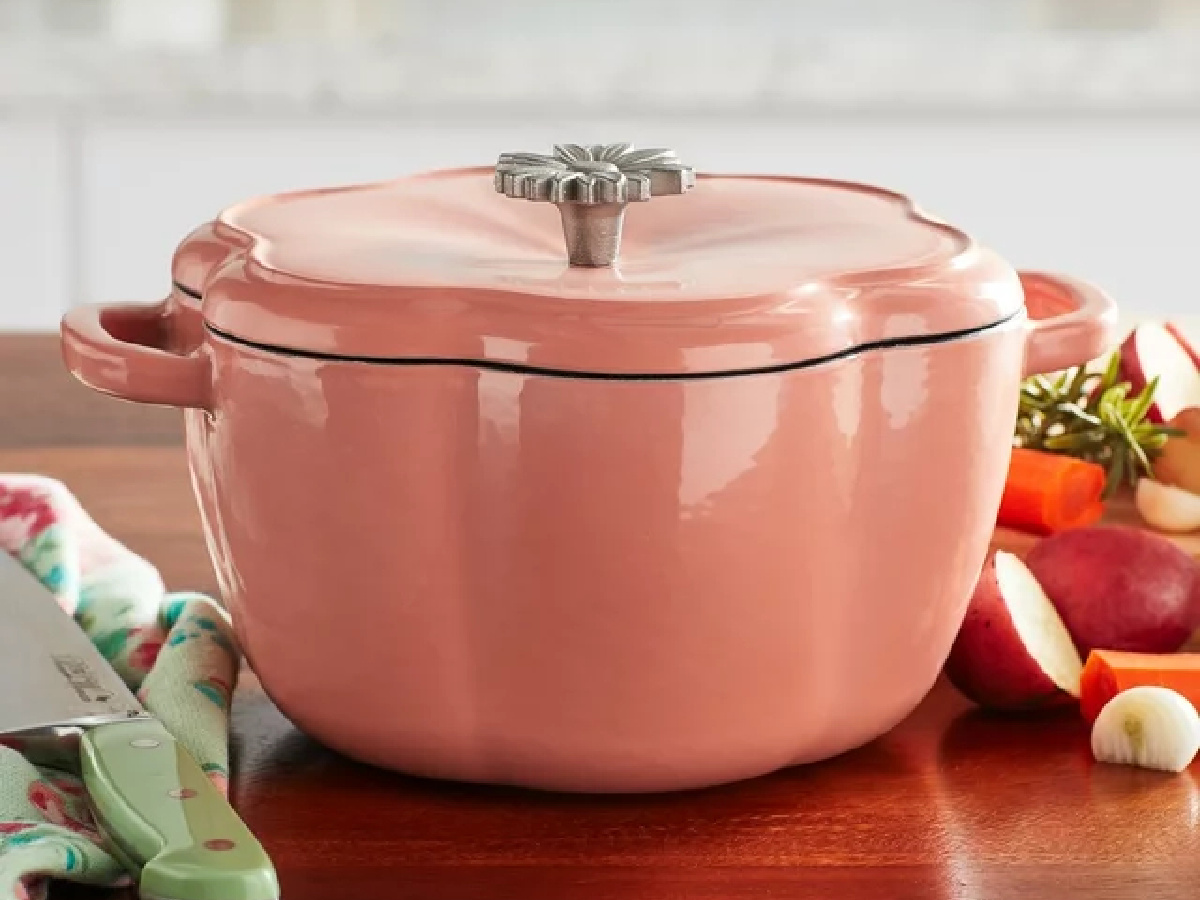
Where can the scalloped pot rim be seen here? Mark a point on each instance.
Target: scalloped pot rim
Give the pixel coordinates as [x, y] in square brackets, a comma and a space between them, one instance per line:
[229, 219]
[744, 272]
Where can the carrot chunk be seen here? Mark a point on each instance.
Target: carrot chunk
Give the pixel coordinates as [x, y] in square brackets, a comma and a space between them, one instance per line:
[1109, 672]
[1049, 492]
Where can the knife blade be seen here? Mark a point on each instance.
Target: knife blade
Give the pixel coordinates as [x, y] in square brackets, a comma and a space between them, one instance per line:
[162, 815]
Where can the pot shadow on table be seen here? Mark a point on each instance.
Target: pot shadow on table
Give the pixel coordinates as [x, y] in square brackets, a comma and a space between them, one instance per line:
[954, 803]
[855, 825]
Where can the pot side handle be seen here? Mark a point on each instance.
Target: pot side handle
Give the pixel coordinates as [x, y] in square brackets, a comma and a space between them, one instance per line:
[118, 350]
[1071, 322]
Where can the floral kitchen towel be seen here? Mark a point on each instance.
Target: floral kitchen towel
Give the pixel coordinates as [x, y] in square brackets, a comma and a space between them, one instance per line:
[176, 651]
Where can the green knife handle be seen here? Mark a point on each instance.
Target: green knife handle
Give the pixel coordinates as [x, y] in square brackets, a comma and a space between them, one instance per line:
[166, 818]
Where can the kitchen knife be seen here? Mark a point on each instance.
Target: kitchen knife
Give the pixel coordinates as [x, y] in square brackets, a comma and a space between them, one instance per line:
[157, 807]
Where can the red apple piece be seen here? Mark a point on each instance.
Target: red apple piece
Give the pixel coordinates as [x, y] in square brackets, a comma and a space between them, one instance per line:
[1013, 651]
[1119, 588]
[1154, 350]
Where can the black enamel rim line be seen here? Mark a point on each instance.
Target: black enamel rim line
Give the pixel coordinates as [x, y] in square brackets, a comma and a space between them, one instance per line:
[522, 369]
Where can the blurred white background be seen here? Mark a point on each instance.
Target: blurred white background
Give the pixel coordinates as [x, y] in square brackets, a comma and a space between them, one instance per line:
[1064, 133]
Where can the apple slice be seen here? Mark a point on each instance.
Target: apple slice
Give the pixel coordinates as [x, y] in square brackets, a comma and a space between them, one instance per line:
[1160, 350]
[1013, 651]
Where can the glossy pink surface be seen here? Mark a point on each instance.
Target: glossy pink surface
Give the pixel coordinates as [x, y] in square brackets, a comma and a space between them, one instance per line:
[127, 350]
[585, 583]
[739, 273]
[204, 251]
[605, 585]
[1071, 321]
[596, 585]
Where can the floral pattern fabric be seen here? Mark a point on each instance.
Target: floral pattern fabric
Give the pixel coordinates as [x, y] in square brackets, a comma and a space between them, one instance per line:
[175, 650]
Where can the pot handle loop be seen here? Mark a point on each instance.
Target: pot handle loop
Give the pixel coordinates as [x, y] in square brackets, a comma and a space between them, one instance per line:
[118, 349]
[1071, 322]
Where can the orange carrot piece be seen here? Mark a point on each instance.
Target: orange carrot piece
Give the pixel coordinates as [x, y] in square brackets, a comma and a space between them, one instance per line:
[1050, 492]
[1109, 672]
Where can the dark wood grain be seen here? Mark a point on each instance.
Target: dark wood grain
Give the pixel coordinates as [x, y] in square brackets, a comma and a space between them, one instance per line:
[43, 406]
[952, 804]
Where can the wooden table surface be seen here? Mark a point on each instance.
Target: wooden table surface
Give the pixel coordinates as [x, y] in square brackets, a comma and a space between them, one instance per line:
[952, 804]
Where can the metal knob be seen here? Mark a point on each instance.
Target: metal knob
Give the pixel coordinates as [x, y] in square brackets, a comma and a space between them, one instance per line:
[591, 187]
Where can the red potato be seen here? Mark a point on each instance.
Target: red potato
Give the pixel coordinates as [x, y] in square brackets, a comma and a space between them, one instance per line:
[1013, 651]
[1161, 350]
[1119, 588]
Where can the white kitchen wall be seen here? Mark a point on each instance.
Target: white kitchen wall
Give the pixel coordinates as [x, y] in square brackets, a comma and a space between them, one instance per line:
[36, 246]
[1064, 133]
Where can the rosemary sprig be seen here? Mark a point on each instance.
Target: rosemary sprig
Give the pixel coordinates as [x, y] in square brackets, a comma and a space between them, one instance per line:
[1090, 415]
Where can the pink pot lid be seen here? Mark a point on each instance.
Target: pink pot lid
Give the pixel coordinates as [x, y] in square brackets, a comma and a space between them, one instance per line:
[739, 273]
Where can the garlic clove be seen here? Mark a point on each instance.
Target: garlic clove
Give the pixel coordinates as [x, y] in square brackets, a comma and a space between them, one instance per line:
[1166, 507]
[1151, 727]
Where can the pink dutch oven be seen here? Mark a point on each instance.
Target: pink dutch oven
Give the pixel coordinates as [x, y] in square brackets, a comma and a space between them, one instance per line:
[701, 497]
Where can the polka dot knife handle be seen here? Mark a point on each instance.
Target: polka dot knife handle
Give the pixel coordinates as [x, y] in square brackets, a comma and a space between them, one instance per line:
[163, 816]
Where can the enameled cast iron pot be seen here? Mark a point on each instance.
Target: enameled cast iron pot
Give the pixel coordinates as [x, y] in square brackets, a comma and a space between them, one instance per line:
[683, 516]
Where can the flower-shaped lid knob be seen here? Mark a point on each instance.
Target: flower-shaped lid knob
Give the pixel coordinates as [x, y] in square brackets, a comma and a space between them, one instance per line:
[591, 186]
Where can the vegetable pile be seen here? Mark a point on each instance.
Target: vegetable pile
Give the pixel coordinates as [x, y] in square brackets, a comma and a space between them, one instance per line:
[1090, 415]
[1095, 614]
[1123, 599]
[1085, 434]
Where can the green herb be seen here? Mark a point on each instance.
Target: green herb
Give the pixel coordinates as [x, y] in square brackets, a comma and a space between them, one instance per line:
[1090, 415]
